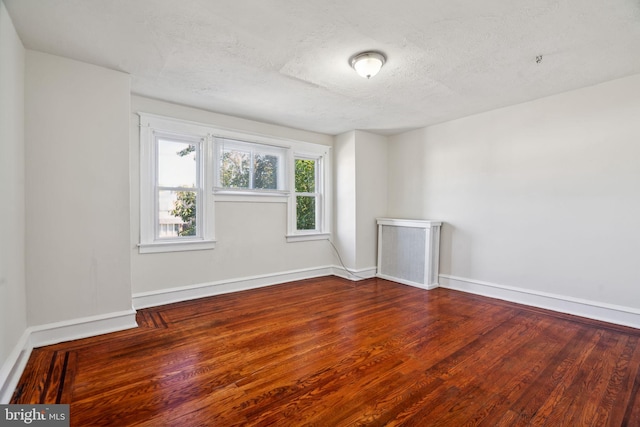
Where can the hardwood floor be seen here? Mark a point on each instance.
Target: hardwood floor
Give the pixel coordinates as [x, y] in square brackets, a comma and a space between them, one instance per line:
[330, 352]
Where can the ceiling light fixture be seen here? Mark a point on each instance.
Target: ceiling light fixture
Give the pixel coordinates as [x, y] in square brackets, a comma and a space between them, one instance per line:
[367, 64]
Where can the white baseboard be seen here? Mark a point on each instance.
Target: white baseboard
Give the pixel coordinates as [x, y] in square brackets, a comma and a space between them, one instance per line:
[53, 333]
[12, 368]
[186, 293]
[355, 275]
[408, 282]
[620, 315]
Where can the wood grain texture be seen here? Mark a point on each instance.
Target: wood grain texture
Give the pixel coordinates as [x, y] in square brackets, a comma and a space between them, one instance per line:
[330, 352]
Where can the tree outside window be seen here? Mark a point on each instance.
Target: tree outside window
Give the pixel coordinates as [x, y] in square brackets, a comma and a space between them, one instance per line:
[250, 166]
[177, 188]
[306, 195]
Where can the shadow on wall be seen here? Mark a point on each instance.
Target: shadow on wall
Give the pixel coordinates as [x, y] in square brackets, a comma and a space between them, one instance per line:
[455, 250]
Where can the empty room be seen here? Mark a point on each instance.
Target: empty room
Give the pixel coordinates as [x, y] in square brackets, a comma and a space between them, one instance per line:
[320, 213]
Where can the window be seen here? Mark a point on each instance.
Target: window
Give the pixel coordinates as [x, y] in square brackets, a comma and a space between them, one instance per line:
[307, 202]
[247, 166]
[175, 206]
[309, 211]
[178, 189]
[186, 167]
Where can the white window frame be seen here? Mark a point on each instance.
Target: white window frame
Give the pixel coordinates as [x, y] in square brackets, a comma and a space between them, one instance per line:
[322, 157]
[211, 193]
[153, 128]
[253, 148]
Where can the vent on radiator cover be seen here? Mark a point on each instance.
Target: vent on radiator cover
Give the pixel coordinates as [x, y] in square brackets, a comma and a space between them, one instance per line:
[408, 251]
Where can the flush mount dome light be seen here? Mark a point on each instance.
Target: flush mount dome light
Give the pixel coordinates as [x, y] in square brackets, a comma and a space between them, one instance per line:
[368, 64]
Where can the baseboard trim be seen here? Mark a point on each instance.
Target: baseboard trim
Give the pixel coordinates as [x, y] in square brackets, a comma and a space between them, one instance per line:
[408, 282]
[12, 368]
[54, 333]
[202, 290]
[355, 275]
[620, 315]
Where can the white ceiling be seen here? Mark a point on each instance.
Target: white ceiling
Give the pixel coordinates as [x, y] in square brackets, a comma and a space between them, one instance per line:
[286, 61]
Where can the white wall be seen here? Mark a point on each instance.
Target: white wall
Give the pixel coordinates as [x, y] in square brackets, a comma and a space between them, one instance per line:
[250, 235]
[542, 196]
[13, 309]
[360, 160]
[77, 167]
[344, 182]
[371, 177]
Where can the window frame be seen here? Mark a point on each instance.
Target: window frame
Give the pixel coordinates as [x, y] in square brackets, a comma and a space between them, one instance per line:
[316, 195]
[152, 130]
[322, 194]
[197, 188]
[209, 179]
[253, 148]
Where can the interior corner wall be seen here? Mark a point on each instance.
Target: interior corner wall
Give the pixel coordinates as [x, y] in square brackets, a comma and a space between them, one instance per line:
[77, 189]
[13, 308]
[250, 234]
[371, 195]
[360, 164]
[344, 221]
[542, 196]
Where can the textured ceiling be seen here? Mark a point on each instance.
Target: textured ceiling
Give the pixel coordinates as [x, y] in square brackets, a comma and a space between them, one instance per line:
[286, 61]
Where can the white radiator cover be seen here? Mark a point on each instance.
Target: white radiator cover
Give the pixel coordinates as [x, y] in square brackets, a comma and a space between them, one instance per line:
[408, 251]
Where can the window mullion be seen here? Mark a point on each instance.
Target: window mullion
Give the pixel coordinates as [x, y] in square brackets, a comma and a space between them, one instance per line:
[160, 188]
[307, 194]
[252, 164]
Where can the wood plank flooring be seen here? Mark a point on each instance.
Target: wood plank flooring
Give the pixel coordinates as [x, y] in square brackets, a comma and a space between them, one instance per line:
[330, 352]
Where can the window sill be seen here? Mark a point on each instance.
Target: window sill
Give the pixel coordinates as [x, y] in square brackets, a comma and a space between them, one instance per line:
[173, 246]
[307, 237]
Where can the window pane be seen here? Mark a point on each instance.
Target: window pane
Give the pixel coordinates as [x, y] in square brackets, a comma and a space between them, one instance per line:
[265, 174]
[305, 213]
[305, 176]
[177, 166]
[177, 213]
[235, 169]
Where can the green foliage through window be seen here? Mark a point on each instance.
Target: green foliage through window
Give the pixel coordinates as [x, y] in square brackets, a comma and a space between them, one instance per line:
[305, 183]
[186, 151]
[305, 176]
[249, 170]
[305, 213]
[235, 169]
[265, 175]
[185, 208]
